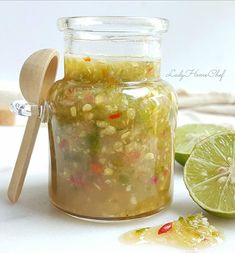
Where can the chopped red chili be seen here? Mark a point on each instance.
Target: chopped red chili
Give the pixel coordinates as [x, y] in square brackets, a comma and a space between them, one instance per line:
[115, 115]
[150, 70]
[134, 155]
[87, 58]
[71, 90]
[154, 180]
[96, 168]
[165, 172]
[165, 228]
[64, 143]
[89, 98]
[77, 181]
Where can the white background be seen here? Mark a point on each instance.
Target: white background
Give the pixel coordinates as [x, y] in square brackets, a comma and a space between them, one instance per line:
[201, 35]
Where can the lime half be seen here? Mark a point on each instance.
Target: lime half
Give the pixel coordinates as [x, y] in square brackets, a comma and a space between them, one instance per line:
[209, 174]
[188, 136]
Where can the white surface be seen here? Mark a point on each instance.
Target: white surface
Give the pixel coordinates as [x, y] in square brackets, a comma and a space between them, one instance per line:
[33, 225]
[200, 36]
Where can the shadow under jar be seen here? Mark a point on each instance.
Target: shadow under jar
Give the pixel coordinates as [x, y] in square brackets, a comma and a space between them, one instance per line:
[112, 120]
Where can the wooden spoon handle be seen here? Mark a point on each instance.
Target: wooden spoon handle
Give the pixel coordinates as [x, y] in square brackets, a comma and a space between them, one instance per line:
[23, 159]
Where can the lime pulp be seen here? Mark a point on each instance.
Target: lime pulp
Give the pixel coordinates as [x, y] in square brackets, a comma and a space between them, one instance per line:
[209, 174]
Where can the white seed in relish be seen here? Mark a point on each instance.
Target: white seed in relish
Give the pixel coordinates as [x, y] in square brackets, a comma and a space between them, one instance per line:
[133, 200]
[73, 111]
[131, 113]
[128, 188]
[82, 134]
[108, 172]
[101, 124]
[149, 156]
[131, 146]
[58, 139]
[90, 116]
[118, 146]
[111, 109]
[97, 186]
[102, 160]
[99, 99]
[144, 147]
[110, 130]
[108, 181]
[110, 165]
[125, 135]
[103, 149]
[102, 133]
[75, 164]
[87, 108]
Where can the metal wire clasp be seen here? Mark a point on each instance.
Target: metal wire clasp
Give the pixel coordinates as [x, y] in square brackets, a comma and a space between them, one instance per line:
[22, 108]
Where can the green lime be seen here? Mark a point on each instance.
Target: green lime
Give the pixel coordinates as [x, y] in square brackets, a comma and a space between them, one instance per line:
[209, 174]
[188, 136]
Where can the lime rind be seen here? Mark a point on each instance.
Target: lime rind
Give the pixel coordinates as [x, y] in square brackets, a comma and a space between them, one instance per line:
[209, 174]
[181, 158]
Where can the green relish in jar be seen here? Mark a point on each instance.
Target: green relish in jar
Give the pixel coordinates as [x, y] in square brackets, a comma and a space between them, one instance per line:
[112, 122]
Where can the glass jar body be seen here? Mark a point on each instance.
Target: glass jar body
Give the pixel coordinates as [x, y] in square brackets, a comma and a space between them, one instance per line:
[112, 122]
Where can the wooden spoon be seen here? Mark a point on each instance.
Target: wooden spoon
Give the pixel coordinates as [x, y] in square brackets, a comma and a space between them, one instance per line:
[36, 77]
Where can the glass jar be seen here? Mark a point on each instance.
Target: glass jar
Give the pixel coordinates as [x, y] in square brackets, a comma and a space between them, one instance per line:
[111, 120]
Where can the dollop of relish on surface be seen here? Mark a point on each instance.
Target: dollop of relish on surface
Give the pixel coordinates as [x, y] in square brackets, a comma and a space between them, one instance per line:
[191, 232]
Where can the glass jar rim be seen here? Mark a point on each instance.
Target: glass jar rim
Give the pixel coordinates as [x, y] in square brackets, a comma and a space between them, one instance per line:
[142, 26]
